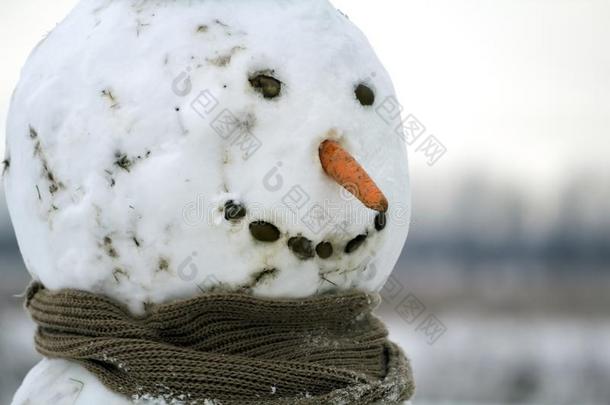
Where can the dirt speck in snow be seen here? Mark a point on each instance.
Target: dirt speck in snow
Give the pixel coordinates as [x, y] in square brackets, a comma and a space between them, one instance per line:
[140, 25]
[118, 272]
[163, 264]
[225, 59]
[47, 172]
[111, 179]
[124, 162]
[109, 247]
[107, 93]
[6, 164]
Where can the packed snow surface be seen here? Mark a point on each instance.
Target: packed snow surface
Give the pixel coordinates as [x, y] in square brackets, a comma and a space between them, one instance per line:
[119, 167]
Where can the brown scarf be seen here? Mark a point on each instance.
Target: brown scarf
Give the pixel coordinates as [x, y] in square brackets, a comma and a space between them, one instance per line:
[228, 348]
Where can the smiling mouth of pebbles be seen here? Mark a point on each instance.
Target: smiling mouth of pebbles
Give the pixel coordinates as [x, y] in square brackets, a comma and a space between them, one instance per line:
[302, 247]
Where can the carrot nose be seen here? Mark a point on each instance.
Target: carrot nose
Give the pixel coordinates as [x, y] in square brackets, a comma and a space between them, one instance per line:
[348, 173]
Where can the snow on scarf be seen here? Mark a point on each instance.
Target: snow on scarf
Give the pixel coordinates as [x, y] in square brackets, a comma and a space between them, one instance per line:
[228, 348]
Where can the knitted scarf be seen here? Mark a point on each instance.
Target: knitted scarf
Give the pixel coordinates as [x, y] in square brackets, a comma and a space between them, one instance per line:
[228, 348]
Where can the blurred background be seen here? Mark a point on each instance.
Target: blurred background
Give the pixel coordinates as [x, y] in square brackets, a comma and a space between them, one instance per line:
[502, 294]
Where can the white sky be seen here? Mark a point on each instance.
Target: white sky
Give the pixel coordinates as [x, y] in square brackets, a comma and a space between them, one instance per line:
[516, 88]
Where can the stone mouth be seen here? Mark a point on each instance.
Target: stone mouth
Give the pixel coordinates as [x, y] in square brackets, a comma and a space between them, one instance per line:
[303, 248]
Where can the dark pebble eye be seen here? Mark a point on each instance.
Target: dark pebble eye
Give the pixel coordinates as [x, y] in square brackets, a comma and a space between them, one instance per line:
[267, 85]
[365, 95]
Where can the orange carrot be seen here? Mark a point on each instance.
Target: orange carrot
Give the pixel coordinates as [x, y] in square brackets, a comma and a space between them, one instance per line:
[348, 173]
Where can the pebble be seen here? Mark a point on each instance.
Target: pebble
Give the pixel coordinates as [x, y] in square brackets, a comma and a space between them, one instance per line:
[380, 221]
[301, 247]
[268, 86]
[234, 211]
[355, 243]
[365, 95]
[264, 231]
[324, 250]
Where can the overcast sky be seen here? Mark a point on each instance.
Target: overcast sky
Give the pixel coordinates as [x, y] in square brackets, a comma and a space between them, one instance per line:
[513, 88]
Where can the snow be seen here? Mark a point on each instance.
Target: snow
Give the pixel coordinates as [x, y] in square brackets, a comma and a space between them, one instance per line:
[61, 382]
[119, 168]
[117, 180]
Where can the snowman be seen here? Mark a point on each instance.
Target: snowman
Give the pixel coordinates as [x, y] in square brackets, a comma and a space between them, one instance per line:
[160, 151]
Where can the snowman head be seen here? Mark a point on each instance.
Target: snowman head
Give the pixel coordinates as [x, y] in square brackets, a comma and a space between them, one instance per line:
[158, 149]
